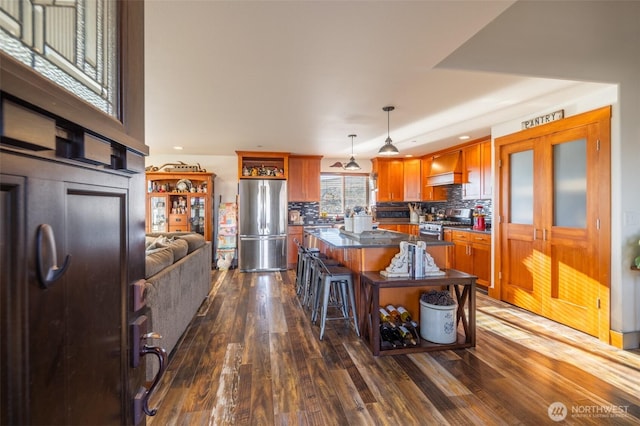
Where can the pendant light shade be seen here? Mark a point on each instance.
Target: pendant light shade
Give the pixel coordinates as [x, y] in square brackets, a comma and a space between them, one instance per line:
[352, 165]
[388, 148]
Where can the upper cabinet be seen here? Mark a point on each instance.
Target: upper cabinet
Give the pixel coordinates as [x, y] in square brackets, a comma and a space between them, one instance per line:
[412, 179]
[263, 165]
[477, 170]
[304, 178]
[390, 179]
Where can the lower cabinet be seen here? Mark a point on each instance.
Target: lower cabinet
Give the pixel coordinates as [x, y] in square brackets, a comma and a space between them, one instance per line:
[405, 228]
[293, 233]
[472, 254]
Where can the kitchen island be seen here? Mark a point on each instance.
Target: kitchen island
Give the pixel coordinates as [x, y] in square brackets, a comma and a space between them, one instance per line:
[373, 254]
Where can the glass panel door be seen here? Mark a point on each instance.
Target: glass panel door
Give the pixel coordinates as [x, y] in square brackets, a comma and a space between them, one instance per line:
[197, 216]
[521, 185]
[158, 215]
[570, 184]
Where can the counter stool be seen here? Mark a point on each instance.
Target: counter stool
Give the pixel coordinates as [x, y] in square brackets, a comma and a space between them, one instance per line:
[312, 275]
[339, 281]
[299, 265]
[302, 268]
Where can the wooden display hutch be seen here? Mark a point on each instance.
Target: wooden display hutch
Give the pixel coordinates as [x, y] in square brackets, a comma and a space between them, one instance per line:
[180, 202]
[263, 165]
[377, 291]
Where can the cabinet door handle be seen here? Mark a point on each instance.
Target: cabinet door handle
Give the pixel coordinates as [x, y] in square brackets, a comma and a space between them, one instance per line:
[48, 272]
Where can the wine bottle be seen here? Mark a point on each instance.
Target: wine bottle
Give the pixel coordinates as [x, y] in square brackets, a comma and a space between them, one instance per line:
[405, 317]
[387, 336]
[406, 335]
[393, 313]
[404, 314]
[385, 317]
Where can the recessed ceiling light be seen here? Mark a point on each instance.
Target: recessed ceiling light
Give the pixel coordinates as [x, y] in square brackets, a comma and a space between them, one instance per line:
[463, 137]
[409, 155]
[179, 148]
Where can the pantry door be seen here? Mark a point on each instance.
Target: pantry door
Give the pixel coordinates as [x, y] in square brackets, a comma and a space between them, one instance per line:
[554, 242]
[522, 255]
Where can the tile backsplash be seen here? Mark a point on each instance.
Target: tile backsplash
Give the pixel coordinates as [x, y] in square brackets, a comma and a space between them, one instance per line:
[309, 211]
[454, 201]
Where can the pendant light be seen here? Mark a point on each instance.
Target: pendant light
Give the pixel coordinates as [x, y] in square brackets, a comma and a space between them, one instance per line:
[388, 148]
[352, 165]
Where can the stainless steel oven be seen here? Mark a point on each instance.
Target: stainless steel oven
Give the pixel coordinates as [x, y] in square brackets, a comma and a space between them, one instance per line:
[432, 230]
[453, 217]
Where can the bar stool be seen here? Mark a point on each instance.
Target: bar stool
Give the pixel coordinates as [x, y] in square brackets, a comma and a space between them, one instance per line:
[339, 280]
[305, 274]
[299, 265]
[312, 275]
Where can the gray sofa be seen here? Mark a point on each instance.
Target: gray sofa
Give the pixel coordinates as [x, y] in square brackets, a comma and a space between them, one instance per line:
[178, 280]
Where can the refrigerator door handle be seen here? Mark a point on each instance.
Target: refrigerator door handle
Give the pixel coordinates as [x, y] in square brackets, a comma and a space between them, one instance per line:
[261, 197]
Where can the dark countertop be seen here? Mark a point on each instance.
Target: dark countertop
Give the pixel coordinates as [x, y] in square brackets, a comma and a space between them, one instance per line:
[336, 239]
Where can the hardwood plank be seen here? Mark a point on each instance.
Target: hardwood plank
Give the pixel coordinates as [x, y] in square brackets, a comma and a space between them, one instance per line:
[285, 389]
[354, 407]
[262, 410]
[226, 396]
[330, 411]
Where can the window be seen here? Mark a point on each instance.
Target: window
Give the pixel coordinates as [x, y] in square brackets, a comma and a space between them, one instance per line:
[339, 192]
[72, 43]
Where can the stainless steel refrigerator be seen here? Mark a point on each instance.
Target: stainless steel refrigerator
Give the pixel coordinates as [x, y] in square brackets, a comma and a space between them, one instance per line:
[263, 225]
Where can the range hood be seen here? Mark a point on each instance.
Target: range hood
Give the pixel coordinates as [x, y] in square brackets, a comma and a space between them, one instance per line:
[446, 169]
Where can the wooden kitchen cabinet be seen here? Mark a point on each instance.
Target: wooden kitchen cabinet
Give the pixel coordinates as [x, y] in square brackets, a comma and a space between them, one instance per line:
[263, 165]
[294, 232]
[412, 179]
[389, 226]
[409, 228]
[304, 178]
[472, 254]
[429, 192]
[390, 179]
[477, 171]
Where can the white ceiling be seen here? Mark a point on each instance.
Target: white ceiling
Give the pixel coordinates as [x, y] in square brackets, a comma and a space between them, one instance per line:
[299, 76]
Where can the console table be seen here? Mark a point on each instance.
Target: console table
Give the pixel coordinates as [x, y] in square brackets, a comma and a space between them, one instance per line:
[464, 290]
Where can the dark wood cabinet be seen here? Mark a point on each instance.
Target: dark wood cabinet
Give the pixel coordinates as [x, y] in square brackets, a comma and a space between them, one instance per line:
[67, 336]
[376, 291]
[72, 193]
[304, 178]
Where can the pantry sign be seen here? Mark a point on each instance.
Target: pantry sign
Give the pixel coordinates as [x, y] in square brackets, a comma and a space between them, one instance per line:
[543, 119]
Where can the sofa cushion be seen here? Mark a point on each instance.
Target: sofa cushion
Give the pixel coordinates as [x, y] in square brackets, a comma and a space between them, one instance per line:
[157, 259]
[178, 246]
[149, 242]
[194, 241]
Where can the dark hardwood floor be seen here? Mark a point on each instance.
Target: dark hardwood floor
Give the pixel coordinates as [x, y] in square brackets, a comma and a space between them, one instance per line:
[251, 356]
